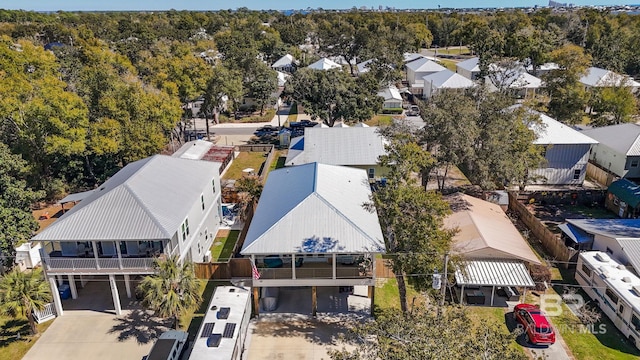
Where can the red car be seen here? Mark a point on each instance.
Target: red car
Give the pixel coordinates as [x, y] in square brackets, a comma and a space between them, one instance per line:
[537, 328]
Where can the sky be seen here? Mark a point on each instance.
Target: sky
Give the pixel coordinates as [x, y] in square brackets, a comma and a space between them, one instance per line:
[110, 5]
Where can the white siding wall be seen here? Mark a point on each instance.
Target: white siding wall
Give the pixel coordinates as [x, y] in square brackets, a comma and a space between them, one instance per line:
[199, 220]
[609, 159]
[466, 73]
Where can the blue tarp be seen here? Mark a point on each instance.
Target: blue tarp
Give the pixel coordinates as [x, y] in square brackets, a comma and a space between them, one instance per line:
[577, 235]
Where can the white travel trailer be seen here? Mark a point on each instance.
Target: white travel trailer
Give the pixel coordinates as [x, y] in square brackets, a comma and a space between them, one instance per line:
[615, 288]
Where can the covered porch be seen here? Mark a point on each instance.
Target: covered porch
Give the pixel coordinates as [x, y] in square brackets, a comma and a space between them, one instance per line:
[332, 266]
[492, 282]
[96, 256]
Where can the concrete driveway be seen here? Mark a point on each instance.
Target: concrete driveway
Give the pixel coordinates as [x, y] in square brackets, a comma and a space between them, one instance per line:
[291, 333]
[557, 351]
[295, 336]
[90, 330]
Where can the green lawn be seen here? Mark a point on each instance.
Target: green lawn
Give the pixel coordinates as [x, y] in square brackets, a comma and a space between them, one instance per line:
[293, 114]
[245, 160]
[449, 64]
[11, 347]
[453, 50]
[380, 120]
[279, 163]
[387, 296]
[222, 247]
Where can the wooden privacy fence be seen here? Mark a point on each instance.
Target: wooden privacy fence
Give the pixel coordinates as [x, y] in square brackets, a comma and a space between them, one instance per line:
[600, 175]
[234, 268]
[551, 242]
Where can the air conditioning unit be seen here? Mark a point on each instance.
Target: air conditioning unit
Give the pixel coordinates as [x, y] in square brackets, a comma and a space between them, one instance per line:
[207, 257]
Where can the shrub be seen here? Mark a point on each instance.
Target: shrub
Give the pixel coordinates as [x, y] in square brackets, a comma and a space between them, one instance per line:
[540, 274]
[392, 111]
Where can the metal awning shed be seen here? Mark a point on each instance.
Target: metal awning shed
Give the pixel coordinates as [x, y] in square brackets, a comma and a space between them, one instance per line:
[501, 273]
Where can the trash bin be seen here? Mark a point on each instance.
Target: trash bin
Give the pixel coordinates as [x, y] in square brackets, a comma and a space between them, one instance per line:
[65, 291]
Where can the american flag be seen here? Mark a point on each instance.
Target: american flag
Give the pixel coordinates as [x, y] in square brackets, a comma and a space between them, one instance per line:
[254, 271]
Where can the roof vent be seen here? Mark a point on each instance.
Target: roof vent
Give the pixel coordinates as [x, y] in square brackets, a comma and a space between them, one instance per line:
[636, 288]
[223, 313]
[626, 279]
[622, 267]
[604, 272]
[602, 257]
[214, 340]
[232, 290]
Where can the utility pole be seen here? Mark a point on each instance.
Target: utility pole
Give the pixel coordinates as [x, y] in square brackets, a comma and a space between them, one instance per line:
[444, 287]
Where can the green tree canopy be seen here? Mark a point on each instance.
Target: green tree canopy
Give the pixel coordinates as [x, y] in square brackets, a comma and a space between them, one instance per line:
[425, 333]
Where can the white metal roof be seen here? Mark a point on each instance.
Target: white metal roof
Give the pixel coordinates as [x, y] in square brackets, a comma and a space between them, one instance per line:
[314, 208]
[609, 271]
[494, 272]
[472, 64]
[75, 197]
[545, 67]
[598, 77]
[147, 199]
[286, 60]
[515, 78]
[623, 138]
[193, 150]
[282, 78]
[235, 298]
[324, 64]
[390, 93]
[339, 146]
[551, 131]
[363, 67]
[447, 79]
[484, 230]
[425, 65]
[408, 57]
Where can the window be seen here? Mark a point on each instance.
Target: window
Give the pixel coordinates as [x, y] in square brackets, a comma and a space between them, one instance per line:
[576, 174]
[612, 296]
[621, 309]
[586, 270]
[372, 173]
[202, 201]
[213, 185]
[634, 162]
[635, 321]
[185, 229]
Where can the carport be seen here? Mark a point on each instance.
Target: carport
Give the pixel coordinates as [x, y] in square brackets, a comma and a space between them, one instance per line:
[492, 273]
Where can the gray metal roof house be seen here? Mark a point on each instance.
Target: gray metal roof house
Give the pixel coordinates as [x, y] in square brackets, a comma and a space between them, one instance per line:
[358, 147]
[310, 228]
[154, 207]
[618, 149]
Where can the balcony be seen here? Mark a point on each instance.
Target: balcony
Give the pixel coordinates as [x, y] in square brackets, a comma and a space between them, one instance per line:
[87, 266]
[330, 272]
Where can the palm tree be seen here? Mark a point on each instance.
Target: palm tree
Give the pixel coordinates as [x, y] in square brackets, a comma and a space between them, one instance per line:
[172, 290]
[23, 292]
[249, 190]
